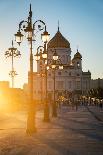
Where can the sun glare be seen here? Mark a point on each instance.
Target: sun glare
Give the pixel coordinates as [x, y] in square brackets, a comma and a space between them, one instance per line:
[3, 101]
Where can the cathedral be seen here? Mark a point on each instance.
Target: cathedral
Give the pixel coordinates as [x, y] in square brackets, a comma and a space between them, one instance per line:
[70, 81]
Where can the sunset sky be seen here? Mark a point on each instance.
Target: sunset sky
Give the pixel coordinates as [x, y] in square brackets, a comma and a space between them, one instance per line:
[81, 22]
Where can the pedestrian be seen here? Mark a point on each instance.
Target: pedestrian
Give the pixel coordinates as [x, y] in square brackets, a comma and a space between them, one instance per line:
[100, 105]
[76, 104]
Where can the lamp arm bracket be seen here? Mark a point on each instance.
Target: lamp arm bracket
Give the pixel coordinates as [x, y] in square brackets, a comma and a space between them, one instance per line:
[39, 25]
[22, 25]
[39, 49]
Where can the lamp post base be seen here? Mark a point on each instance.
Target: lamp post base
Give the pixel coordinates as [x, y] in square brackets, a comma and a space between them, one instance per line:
[31, 131]
[31, 123]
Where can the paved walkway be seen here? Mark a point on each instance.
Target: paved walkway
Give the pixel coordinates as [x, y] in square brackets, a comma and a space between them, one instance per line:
[71, 133]
[97, 112]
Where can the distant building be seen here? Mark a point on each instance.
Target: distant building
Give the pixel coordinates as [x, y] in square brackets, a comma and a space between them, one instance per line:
[4, 92]
[86, 82]
[96, 83]
[69, 82]
[17, 98]
[4, 85]
[12, 98]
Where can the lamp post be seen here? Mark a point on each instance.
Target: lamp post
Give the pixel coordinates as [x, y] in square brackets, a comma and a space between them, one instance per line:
[55, 65]
[46, 106]
[41, 74]
[31, 30]
[38, 57]
[44, 57]
[12, 52]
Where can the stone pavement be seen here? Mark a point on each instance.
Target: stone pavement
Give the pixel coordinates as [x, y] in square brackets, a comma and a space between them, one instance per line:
[97, 112]
[71, 133]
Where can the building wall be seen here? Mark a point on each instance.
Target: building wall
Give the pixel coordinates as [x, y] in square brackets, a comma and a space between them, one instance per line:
[69, 80]
[64, 82]
[86, 82]
[96, 83]
[63, 53]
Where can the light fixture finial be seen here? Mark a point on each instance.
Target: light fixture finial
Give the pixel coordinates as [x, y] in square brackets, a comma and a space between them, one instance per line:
[30, 7]
[12, 43]
[77, 47]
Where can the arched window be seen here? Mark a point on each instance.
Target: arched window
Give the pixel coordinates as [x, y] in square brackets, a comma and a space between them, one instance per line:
[59, 73]
[78, 64]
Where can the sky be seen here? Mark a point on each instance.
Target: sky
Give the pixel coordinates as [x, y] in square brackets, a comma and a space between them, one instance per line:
[80, 22]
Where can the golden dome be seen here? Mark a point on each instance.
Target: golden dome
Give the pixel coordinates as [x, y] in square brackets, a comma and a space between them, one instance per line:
[77, 55]
[58, 41]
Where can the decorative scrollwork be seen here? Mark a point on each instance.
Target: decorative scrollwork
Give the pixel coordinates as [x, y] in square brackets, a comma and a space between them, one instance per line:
[12, 53]
[17, 53]
[12, 73]
[40, 49]
[22, 26]
[7, 54]
[39, 25]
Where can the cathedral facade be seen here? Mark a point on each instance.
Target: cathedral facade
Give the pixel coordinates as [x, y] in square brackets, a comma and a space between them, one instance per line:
[69, 82]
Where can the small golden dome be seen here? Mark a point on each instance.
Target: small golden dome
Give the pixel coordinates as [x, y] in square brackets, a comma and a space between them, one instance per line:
[77, 55]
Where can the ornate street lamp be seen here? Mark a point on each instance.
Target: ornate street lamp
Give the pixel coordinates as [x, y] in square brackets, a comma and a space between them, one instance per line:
[31, 31]
[44, 57]
[12, 52]
[38, 57]
[55, 56]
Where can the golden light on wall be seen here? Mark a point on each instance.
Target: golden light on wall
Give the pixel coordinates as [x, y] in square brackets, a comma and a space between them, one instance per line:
[3, 101]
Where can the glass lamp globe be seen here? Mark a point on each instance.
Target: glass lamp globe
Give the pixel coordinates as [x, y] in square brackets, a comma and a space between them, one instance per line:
[44, 55]
[55, 56]
[19, 37]
[37, 56]
[45, 36]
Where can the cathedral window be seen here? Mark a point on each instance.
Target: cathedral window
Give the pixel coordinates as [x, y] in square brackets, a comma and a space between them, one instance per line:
[78, 74]
[78, 84]
[59, 73]
[49, 84]
[60, 84]
[85, 84]
[78, 64]
[63, 58]
[69, 84]
[49, 74]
